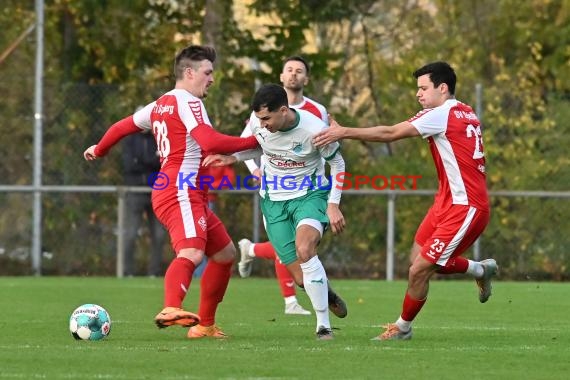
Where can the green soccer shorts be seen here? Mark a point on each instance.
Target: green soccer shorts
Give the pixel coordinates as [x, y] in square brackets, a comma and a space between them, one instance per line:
[282, 218]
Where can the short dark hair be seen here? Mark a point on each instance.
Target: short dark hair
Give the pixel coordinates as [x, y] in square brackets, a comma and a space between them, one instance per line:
[272, 96]
[439, 72]
[190, 56]
[298, 58]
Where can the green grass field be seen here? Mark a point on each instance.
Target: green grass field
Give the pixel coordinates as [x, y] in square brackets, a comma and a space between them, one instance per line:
[523, 332]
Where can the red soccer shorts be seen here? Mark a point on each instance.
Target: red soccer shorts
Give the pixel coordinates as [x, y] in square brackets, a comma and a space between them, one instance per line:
[189, 221]
[447, 233]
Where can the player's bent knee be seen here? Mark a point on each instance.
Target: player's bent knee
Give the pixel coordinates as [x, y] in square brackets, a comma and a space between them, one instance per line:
[226, 255]
[306, 253]
[192, 254]
[420, 272]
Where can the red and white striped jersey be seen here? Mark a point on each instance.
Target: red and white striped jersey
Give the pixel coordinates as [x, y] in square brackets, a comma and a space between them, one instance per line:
[313, 107]
[172, 117]
[456, 143]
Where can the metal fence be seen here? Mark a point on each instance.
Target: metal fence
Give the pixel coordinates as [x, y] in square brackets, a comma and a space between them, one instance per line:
[91, 240]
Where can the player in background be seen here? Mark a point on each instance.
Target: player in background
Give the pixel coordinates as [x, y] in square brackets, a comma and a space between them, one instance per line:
[460, 211]
[294, 77]
[183, 132]
[140, 160]
[297, 212]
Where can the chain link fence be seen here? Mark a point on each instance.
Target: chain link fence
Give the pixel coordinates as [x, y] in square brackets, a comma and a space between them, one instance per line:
[81, 235]
[528, 233]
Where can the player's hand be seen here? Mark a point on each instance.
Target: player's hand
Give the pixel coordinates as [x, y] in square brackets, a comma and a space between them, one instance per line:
[328, 135]
[89, 153]
[219, 160]
[336, 219]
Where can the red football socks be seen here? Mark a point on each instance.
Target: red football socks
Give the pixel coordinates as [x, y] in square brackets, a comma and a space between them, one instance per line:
[265, 251]
[177, 281]
[411, 307]
[213, 286]
[455, 265]
[286, 281]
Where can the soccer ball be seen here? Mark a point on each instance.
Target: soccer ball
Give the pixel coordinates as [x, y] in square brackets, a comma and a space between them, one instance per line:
[90, 322]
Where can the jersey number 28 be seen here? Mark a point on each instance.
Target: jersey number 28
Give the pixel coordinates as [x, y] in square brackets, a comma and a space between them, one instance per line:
[161, 134]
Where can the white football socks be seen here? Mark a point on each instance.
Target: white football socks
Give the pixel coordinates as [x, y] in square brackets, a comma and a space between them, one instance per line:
[403, 325]
[290, 300]
[475, 269]
[316, 286]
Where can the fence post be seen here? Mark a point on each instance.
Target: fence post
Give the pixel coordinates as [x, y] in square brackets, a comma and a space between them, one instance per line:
[390, 218]
[256, 217]
[479, 112]
[120, 232]
[36, 251]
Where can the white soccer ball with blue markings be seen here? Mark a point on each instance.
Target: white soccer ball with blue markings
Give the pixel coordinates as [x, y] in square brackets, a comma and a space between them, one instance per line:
[90, 322]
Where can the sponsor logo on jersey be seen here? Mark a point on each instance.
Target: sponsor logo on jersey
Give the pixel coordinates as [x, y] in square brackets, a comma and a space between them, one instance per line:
[465, 115]
[202, 223]
[163, 108]
[281, 163]
[297, 147]
[196, 108]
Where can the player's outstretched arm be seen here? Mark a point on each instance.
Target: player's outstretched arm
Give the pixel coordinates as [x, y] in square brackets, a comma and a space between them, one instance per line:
[113, 135]
[331, 134]
[380, 133]
[211, 140]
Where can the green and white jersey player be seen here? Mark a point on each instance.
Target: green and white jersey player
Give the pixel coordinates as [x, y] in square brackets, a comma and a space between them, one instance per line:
[298, 202]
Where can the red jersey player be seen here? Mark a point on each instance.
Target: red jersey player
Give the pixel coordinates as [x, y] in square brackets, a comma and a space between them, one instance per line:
[460, 211]
[184, 136]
